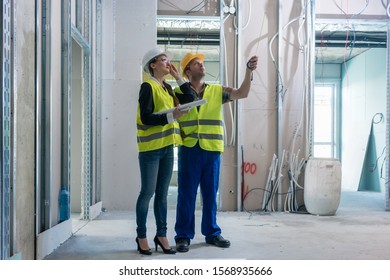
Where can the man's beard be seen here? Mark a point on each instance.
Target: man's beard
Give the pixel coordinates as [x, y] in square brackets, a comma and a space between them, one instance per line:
[199, 75]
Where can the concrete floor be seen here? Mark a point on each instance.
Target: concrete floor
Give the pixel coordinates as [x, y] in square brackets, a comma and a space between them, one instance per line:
[360, 230]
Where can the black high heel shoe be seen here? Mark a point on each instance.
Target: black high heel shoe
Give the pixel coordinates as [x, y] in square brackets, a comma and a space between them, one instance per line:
[141, 251]
[166, 251]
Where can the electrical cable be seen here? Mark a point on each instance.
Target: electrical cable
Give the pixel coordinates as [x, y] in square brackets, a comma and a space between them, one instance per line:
[261, 32]
[294, 172]
[383, 164]
[373, 121]
[268, 183]
[272, 186]
[278, 179]
[205, 2]
[346, 13]
[242, 178]
[301, 47]
[388, 10]
[282, 92]
[295, 169]
[249, 16]
[263, 209]
[377, 160]
[170, 4]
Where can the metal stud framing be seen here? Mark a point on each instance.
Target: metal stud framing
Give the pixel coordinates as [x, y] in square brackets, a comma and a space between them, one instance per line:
[97, 177]
[82, 34]
[66, 93]
[5, 131]
[87, 113]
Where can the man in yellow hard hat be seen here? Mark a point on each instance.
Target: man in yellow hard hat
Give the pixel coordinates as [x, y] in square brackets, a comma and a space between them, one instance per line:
[199, 156]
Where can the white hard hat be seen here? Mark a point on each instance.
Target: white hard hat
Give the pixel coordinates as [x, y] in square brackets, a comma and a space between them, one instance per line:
[151, 54]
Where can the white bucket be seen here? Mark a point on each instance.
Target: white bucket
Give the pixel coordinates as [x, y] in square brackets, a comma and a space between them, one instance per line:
[322, 186]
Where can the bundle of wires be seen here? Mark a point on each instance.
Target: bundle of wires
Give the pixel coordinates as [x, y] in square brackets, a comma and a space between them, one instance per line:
[273, 183]
[291, 204]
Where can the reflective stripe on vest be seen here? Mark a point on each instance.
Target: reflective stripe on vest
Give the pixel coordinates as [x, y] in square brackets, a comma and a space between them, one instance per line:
[153, 137]
[205, 125]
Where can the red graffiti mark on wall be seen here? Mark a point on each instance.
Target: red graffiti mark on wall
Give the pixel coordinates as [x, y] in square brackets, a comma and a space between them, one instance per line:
[250, 167]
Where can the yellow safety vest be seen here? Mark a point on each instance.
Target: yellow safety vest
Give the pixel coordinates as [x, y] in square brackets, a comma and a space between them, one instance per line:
[153, 137]
[205, 125]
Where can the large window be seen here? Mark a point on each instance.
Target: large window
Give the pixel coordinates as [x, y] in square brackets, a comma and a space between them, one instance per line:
[326, 121]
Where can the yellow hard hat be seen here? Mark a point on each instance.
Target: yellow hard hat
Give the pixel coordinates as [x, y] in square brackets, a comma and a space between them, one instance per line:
[187, 59]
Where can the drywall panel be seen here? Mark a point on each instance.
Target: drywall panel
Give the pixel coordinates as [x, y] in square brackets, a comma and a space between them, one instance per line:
[363, 95]
[327, 71]
[128, 32]
[358, 9]
[359, 106]
[259, 22]
[24, 110]
[259, 112]
[50, 239]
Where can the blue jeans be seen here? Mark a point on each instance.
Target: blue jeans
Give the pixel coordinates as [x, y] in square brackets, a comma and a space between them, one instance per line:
[197, 167]
[156, 172]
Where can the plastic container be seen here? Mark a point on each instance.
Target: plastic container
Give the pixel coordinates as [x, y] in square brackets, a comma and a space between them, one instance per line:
[64, 204]
[322, 187]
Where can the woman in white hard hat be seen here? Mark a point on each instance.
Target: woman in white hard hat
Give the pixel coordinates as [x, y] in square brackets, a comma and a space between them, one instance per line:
[157, 133]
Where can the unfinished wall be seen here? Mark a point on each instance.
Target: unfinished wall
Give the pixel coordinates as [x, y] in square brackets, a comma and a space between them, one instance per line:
[364, 92]
[128, 31]
[123, 49]
[360, 101]
[257, 133]
[24, 114]
[259, 121]
[259, 130]
[258, 136]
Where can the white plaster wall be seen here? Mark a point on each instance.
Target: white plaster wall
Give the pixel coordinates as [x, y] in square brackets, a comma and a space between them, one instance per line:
[129, 30]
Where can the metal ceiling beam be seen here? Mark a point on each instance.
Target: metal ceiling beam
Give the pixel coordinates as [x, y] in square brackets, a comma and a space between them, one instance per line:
[187, 42]
[363, 45]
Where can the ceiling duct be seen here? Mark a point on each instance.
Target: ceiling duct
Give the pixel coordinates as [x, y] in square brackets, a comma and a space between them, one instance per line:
[337, 42]
[188, 31]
